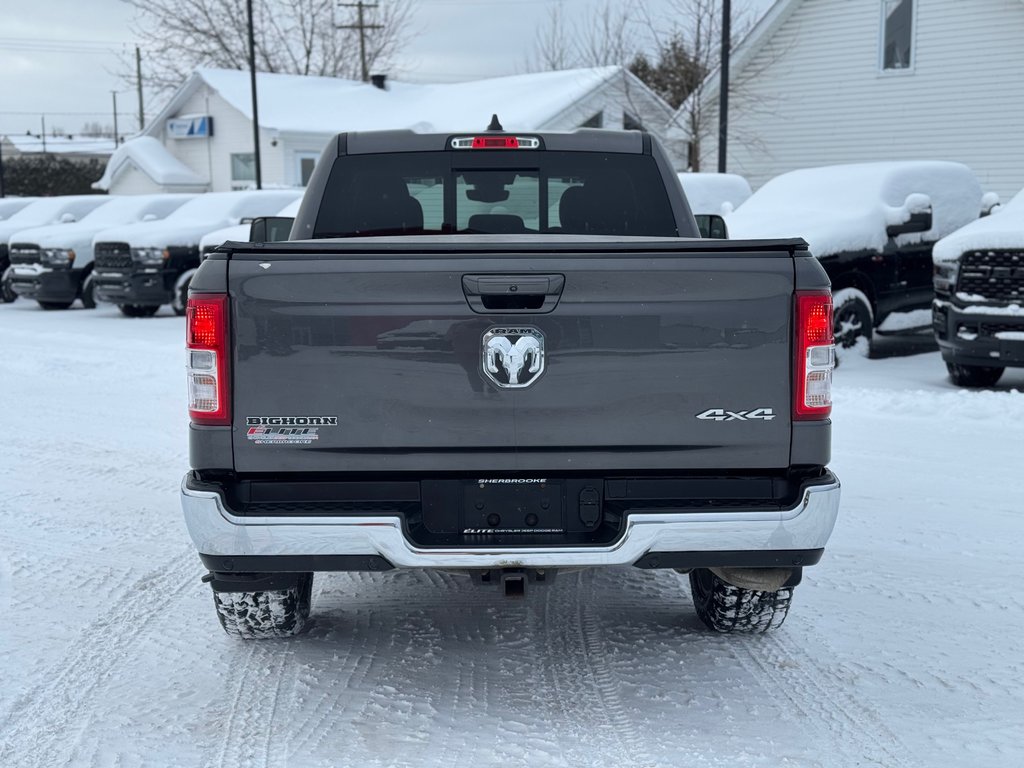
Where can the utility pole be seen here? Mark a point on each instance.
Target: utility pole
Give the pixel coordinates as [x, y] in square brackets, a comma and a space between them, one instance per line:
[255, 109]
[723, 88]
[138, 83]
[42, 120]
[116, 139]
[2, 192]
[362, 26]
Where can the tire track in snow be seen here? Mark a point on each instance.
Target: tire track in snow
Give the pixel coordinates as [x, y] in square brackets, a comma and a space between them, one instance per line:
[579, 661]
[774, 662]
[40, 720]
[249, 738]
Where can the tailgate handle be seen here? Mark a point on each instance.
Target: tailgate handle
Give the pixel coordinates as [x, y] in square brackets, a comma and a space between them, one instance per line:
[513, 293]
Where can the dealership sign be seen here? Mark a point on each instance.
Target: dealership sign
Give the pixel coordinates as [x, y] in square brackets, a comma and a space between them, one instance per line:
[190, 127]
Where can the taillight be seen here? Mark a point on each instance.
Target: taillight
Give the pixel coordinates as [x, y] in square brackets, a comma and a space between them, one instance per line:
[815, 353]
[207, 349]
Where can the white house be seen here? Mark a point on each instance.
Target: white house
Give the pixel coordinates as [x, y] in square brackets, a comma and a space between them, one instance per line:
[203, 138]
[822, 82]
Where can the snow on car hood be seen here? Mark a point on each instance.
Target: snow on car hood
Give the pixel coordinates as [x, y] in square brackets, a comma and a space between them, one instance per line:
[238, 233]
[718, 193]
[1004, 229]
[208, 212]
[848, 207]
[159, 234]
[48, 210]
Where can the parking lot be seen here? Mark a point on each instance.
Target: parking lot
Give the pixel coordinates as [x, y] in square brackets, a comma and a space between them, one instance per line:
[901, 648]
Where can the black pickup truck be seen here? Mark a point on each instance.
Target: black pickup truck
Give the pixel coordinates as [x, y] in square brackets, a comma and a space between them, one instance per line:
[507, 355]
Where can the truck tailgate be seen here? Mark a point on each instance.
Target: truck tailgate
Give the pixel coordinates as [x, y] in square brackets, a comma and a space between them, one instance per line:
[376, 363]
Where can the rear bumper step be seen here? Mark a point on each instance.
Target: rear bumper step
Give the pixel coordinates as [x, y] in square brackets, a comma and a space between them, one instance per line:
[736, 535]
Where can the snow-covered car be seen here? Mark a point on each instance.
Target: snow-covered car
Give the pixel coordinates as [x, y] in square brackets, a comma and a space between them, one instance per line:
[11, 205]
[141, 267]
[978, 311]
[43, 211]
[54, 263]
[240, 232]
[872, 226]
[714, 195]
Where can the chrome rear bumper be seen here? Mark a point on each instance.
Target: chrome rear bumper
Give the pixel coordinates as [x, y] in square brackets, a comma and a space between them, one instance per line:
[215, 531]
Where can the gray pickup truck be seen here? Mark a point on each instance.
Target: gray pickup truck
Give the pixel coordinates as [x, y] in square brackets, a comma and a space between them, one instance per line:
[507, 355]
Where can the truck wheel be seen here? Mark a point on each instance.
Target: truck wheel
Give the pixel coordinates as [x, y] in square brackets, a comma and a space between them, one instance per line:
[725, 608]
[137, 310]
[86, 294]
[7, 294]
[853, 318]
[973, 375]
[181, 298]
[268, 614]
[55, 304]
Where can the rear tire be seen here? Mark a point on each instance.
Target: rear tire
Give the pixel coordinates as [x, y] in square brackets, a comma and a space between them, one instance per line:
[269, 614]
[138, 310]
[55, 304]
[973, 375]
[725, 608]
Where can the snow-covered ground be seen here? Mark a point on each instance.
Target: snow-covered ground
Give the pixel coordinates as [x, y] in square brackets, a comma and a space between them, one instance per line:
[903, 648]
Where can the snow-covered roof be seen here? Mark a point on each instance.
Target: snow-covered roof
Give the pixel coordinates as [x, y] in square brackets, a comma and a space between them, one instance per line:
[153, 159]
[719, 193]
[848, 207]
[330, 105]
[66, 145]
[1003, 229]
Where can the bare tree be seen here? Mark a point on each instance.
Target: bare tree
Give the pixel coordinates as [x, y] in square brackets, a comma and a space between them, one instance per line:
[694, 27]
[291, 36]
[605, 38]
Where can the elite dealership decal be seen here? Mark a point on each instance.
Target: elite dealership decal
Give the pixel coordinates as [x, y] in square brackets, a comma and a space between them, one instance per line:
[286, 430]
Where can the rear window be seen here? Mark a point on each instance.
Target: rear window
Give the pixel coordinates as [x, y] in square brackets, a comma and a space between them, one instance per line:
[525, 192]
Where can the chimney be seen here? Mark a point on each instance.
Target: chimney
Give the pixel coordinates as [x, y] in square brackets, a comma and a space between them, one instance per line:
[379, 81]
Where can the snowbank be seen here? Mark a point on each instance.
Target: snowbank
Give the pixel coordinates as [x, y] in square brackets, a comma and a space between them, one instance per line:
[1003, 229]
[719, 193]
[848, 207]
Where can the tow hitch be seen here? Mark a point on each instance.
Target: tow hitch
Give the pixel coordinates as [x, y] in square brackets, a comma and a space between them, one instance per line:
[513, 581]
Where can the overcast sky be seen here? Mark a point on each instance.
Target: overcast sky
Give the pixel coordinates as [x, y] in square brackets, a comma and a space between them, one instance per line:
[59, 58]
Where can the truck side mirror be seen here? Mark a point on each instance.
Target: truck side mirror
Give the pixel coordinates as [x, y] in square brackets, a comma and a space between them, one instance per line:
[712, 225]
[270, 229]
[920, 221]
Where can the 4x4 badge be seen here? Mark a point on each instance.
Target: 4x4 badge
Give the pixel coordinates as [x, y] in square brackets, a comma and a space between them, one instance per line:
[513, 358]
[721, 414]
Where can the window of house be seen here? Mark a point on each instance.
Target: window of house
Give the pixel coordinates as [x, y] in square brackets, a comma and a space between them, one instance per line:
[631, 122]
[243, 167]
[595, 121]
[897, 34]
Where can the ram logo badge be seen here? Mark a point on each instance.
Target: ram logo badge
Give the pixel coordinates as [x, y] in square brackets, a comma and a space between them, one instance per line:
[513, 358]
[721, 414]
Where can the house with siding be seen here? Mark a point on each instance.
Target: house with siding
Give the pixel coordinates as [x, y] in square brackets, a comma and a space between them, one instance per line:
[203, 139]
[822, 82]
